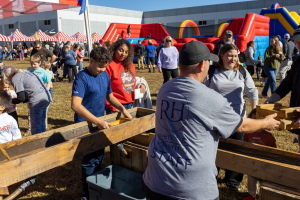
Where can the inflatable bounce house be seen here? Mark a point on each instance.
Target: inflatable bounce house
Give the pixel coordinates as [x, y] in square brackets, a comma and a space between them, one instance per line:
[253, 27]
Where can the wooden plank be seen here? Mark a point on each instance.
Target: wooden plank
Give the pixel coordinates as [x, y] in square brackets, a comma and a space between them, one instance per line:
[142, 139]
[267, 193]
[4, 191]
[260, 151]
[272, 171]
[269, 106]
[30, 164]
[57, 136]
[265, 112]
[288, 124]
[137, 158]
[280, 188]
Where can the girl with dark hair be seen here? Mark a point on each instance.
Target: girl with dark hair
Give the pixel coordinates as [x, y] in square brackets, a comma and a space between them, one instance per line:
[273, 58]
[230, 80]
[250, 61]
[122, 74]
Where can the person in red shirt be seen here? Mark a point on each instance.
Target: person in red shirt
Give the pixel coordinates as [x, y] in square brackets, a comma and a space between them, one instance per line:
[263, 138]
[122, 75]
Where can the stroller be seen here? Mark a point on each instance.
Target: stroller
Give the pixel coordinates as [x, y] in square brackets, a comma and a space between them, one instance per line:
[54, 68]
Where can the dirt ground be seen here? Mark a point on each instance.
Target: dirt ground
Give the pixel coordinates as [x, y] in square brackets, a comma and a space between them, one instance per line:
[65, 182]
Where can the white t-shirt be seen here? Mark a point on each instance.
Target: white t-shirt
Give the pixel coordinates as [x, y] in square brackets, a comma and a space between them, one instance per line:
[9, 130]
[12, 95]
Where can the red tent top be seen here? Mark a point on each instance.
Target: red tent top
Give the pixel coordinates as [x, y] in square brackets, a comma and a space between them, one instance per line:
[4, 38]
[12, 8]
[41, 36]
[96, 37]
[61, 36]
[79, 36]
[18, 36]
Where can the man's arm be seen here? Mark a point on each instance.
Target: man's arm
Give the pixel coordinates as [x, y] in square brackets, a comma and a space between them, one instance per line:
[115, 103]
[52, 59]
[252, 125]
[84, 113]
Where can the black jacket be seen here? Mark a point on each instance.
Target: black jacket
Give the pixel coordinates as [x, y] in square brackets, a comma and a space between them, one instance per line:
[218, 47]
[291, 83]
[139, 49]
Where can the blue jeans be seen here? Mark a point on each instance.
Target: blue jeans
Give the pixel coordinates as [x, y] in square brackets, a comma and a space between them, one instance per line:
[86, 53]
[90, 164]
[50, 103]
[37, 119]
[21, 54]
[258, 73]
[271, 82]
[80, 66]
[127, 106]
[3, 55]
[65, 71]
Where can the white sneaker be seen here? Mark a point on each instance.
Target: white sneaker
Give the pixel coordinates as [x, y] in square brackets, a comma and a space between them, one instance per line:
[84, 198]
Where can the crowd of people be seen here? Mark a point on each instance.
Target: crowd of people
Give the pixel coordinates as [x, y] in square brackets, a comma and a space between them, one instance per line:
[200, 103]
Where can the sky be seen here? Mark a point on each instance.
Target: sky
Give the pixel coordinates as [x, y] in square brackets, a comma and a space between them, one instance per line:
[146, 5]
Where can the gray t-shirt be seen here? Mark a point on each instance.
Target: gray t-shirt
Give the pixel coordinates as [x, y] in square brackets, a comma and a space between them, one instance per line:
[33, 87]
[189, 120]
[231, 84]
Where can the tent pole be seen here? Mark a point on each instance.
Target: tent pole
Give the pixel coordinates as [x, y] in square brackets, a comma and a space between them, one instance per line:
[88, 27]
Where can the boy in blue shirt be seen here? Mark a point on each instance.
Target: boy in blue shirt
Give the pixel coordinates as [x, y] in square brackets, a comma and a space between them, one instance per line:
[151, 50]
[91, 89]
[35, 68]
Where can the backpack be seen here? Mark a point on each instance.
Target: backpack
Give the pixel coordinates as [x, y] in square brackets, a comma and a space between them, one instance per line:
[159, 48]
[242, 57]
[212, 69]
[56, 50]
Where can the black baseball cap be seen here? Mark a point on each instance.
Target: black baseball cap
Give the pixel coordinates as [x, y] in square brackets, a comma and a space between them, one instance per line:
[296, 34]
[194, 52]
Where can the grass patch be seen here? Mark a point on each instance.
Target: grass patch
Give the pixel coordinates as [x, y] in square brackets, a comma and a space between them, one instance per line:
[64, 182]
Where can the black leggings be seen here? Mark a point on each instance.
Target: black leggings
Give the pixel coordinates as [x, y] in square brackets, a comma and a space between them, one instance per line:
[15, 116]
[70, 68]
[167, 73]
[233, 179]
[250, 69]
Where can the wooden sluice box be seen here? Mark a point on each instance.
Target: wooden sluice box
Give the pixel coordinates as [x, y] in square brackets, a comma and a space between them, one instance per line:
[30, 156]
[286, 115]
[274, 166]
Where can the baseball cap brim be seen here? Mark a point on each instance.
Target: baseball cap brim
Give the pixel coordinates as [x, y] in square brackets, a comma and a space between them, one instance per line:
[214, 57]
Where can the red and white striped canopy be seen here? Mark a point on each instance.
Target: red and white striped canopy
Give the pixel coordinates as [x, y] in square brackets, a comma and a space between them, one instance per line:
[41, 36]
[79, 36]
[96, 37]
[19, 37]
[61, 36]
[4, 38]
[12, 8]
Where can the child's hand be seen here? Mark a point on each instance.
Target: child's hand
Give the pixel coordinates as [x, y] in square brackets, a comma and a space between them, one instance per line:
[103, 124]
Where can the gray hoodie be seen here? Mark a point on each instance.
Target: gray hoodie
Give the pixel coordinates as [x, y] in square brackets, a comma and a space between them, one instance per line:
[249, 53]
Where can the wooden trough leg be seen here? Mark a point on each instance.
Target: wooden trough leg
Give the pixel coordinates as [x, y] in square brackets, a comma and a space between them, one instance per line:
[3, 191]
